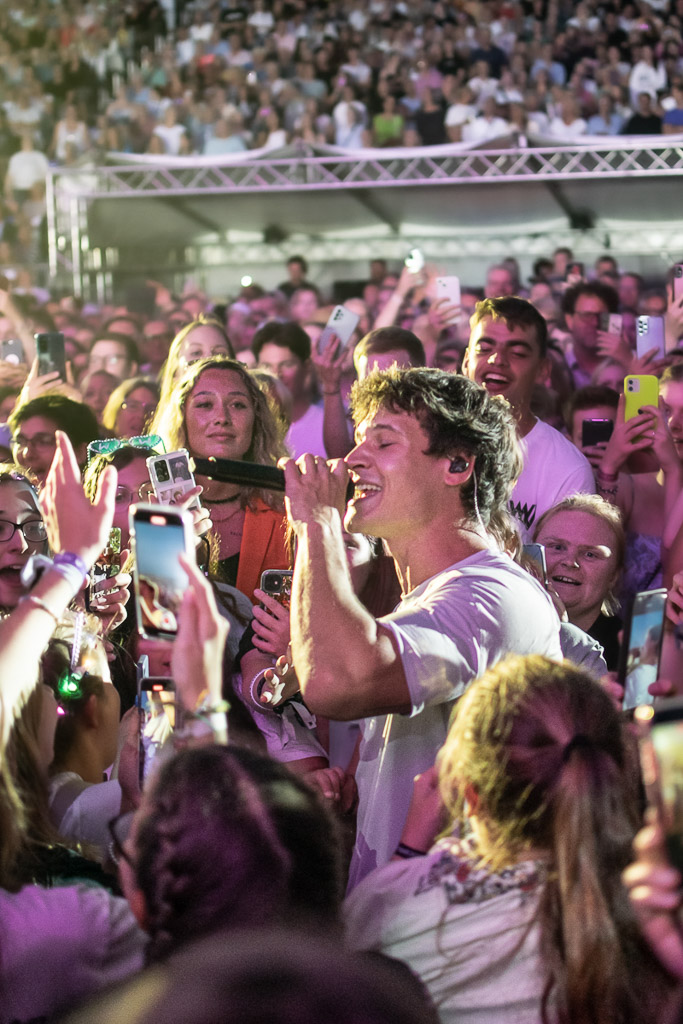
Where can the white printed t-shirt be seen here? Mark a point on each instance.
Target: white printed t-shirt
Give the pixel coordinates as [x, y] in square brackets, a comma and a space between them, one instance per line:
[553, 469]
[471, 936]
[448, 630]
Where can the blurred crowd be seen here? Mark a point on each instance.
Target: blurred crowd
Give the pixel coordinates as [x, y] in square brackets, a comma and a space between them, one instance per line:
[82, 81]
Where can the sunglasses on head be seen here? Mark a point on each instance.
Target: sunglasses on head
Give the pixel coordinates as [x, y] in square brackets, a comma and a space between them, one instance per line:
[113, 444]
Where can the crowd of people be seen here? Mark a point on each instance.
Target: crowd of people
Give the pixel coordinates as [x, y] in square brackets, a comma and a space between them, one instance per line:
[221, 78]
[402, 784]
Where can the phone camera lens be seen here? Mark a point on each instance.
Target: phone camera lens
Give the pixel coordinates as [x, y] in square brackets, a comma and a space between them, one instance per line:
[162, 472]
[276, 582]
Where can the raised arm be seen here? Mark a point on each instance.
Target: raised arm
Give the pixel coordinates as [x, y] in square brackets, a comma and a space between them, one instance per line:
[347, 662]
[76, 526]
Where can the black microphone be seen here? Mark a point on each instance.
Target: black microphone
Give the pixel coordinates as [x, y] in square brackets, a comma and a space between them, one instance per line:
[246, 474]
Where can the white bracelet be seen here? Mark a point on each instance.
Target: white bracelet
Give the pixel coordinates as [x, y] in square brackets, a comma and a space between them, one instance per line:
[254, 692]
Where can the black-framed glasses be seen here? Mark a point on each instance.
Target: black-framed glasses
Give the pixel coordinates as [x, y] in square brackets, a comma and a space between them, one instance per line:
[37, 441]
[33, 531]
[109, 445]
[119, 829]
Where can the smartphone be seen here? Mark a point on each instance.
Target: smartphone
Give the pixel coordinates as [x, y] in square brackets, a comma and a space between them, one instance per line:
[595, 431]
[537, 553]
[12, 351]
[156, 703]
[649, 335]
[50, 352]
[172, 477]
[278, 584]
[642, 646]
[660, 740]
[414, 261]
[159, 535]
[342, 323]
[611, 322]
[106, 566]
[575, 269]
[639, 389]
[678, 282]
[449, 288]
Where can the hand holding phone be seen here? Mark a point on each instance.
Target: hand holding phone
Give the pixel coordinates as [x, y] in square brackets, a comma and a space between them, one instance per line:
[640, 390]
[271, 619]
[342, 323]
[172, 477]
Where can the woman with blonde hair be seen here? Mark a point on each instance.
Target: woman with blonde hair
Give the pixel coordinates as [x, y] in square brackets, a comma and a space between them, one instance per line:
[218, 410]
[520, 915]
[130, 407]
[584, 543]
[200, 339]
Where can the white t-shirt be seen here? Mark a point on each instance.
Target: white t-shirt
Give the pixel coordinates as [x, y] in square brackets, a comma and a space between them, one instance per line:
[472, 937]
[61, 945]
[448, 630]
[553, 469]
[306, 433]
[84, 816]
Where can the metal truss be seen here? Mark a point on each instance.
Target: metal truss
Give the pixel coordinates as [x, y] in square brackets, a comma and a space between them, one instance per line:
[70, 193]
[308, 170]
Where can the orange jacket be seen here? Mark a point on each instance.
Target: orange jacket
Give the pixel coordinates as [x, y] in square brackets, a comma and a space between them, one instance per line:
[263, 546]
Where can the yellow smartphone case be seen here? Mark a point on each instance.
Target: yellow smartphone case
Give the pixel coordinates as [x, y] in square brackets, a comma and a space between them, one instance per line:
[640, 389]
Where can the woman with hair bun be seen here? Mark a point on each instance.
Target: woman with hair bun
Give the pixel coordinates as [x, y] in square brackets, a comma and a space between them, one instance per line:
[520, 915]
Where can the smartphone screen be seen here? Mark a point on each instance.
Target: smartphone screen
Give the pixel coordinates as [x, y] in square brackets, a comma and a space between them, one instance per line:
[50, 352]
[106, 566]
[156, 703]
[661, 756]
[159, 536]
[596, 431]
[642, 646]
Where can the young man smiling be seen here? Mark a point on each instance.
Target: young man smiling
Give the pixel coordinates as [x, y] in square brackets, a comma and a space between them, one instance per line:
[434, 462]
[507, 354]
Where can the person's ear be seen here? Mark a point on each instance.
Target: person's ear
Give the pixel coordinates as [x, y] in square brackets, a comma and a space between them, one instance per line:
[457, 469]
[91, 712]
[466, 362]
[543, 374]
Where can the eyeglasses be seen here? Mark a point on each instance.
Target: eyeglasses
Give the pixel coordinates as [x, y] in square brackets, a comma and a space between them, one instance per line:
[146, 407]
[119, 829]
[124, 495]
[112, 444]
[588, 316]
[37, 441]
[33, 531]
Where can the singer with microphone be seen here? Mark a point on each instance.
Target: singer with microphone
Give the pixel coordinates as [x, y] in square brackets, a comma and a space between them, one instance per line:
[217, 411]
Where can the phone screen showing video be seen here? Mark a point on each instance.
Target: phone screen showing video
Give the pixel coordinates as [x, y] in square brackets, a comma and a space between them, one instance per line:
[667, 743]
[157, 722]
[644, 640]
[161, 580]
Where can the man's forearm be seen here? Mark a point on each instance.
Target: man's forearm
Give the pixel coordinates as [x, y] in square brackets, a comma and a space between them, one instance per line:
[346, 664]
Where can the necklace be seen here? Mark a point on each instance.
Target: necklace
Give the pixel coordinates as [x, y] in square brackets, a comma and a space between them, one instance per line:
[221, 501]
